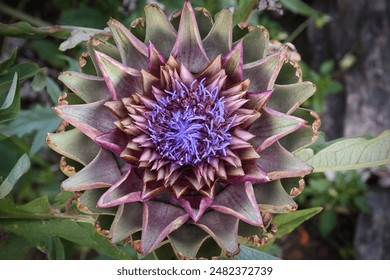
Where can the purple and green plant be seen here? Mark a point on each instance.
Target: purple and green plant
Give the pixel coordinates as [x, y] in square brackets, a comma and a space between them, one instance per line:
[180, 133]
[183, 136]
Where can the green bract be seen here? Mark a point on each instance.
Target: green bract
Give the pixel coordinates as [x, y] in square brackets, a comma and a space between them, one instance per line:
[186, 135]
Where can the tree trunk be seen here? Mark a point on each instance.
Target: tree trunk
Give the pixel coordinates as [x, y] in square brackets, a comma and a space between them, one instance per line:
[360, 28]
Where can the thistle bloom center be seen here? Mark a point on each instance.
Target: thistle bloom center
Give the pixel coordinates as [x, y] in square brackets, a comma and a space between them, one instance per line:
[189, 126]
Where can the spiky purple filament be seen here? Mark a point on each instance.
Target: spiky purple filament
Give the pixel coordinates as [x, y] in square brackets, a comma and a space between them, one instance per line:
[189, 126]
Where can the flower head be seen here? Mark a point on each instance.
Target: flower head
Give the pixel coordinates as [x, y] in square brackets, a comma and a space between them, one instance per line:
[186, 134]
[190, 125]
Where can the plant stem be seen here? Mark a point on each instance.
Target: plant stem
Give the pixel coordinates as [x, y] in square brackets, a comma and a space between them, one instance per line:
[77, 218]
[299, 29]
[22, 16]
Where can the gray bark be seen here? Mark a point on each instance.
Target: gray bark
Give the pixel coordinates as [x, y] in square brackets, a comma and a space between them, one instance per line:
[360, 28]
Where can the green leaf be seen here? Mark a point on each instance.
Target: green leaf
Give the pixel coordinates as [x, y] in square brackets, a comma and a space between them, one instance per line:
[13, 247]
[39, 82]
[21, 167]
[299, 7]
[328, 221]
[25, 30]
[39, 119]
[244, 10]
[247, 253]
[53, 89]
[84, 16]
[45, 235]
[361, 204]
[327, 67]
[11, 106]
[25, 70]
[73, 63]
[39, 205]
[6, 64]
[7, 205]
[288, 222]
[55, 249]
[48, 52]
[350, 153]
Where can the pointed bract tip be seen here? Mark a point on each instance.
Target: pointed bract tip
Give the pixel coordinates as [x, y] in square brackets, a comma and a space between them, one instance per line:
[188, 5]
[152, 5]
[112, 21]
[57, 111]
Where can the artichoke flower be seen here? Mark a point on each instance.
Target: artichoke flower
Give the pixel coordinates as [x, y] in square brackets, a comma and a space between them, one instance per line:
[183, 133]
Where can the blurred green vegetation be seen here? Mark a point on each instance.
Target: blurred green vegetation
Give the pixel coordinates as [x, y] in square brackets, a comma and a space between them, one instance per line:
[341, 195]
